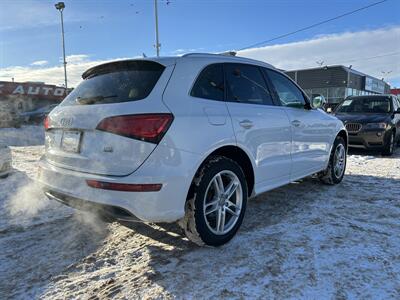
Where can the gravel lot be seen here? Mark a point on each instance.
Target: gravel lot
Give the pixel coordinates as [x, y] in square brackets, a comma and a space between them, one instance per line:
[304, 240]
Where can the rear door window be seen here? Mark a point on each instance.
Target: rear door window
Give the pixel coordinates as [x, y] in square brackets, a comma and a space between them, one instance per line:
[246, 84]
[123, 81]
[288, 93]
[210, 83]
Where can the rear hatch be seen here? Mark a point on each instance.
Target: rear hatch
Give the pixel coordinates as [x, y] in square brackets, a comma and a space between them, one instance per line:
[91, 130]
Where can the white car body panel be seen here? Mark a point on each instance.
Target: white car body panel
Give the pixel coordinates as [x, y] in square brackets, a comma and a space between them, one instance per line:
[279, 153]
[268, 141]
[311, 140]
[199, 124]
[172, 167]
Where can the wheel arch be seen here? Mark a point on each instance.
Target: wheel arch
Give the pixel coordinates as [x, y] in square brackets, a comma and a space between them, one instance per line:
[343, 133]
[240, 157]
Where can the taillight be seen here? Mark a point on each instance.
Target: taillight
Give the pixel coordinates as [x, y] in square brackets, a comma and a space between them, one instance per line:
[124, 187]
[46, 123]
[144, 127]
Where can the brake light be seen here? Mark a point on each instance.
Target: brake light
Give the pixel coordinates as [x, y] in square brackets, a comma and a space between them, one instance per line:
[46, 123]
[124, 187]
[145, 127]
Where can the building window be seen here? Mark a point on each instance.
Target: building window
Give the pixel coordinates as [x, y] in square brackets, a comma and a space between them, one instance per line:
[308, 93]
[336, 94]
[320, 91]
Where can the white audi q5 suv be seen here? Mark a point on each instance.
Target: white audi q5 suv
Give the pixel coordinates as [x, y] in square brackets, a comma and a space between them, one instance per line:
[186, 139]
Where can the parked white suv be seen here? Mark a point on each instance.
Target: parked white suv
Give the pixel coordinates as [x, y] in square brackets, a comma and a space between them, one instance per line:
[186, 138]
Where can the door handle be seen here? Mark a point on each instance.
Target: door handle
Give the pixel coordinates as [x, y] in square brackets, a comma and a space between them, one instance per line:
[296, 123]
[246, 124]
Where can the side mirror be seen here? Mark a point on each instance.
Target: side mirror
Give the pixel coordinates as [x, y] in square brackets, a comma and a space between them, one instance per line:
[318, 101]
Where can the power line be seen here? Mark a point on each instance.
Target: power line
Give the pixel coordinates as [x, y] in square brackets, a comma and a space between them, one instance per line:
[372, 57]
[313, 25]
[364, 58]
[359, 59]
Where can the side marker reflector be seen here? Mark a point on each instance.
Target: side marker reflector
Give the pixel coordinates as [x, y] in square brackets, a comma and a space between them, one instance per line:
[124, 187]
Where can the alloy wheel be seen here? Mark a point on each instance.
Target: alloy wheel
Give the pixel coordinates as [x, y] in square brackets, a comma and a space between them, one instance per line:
[223, 202]
[339, 160]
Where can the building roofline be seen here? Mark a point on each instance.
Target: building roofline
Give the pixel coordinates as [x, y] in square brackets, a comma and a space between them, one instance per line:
[338, 66]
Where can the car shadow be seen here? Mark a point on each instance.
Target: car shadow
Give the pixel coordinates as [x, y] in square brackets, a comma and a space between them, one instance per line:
[276, 241]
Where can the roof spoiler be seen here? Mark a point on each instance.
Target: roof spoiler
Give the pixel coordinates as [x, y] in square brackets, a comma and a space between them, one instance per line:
[121, 65]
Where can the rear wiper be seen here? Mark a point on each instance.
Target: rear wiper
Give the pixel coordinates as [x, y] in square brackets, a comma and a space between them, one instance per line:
[93, 100]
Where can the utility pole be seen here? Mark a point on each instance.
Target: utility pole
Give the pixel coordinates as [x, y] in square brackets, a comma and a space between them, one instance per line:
[157, 45]
[60, 6]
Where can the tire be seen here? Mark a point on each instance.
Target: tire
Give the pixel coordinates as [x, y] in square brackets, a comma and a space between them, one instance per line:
[332, 175]
[206, 205]
[390, 145]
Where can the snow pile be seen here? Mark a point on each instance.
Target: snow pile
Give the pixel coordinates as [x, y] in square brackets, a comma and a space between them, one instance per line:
[304, 240]
[25, 136]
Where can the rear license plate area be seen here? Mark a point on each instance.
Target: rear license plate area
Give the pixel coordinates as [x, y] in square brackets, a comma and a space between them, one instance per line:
[71, 140]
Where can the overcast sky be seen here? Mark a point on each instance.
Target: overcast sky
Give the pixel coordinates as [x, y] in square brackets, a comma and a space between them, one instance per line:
[98, 31]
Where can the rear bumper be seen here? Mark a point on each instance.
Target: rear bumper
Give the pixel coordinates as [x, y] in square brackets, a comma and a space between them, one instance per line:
[368, 139]
[114, 212]
[167, 205]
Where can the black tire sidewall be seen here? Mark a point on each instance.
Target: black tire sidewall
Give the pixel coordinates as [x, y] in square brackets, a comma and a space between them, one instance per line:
[335, 179]
[210, 171]
[387, 150]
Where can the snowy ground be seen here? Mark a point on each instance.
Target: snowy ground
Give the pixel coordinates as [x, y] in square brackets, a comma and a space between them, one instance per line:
[304, 240]
[27, 135]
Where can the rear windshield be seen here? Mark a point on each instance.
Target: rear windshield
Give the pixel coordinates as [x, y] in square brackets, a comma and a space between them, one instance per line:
[116, 82]
[365, 105]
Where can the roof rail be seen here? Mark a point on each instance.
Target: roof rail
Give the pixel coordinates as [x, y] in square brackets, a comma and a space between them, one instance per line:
[229, 53]
[226, 54]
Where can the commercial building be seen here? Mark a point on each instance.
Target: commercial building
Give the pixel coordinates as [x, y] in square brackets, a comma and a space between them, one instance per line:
[19, 97]
[395, 92]
[337, 82]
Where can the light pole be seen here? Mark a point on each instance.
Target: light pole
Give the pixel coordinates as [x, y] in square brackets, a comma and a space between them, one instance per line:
[60, 6]
[157, 45]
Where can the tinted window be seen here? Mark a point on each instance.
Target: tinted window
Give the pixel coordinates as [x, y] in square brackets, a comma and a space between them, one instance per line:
[365, 105]
[210, 83]
[116, 82]
[245, 84]
[288, 93]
